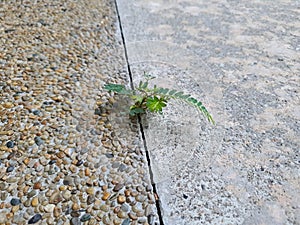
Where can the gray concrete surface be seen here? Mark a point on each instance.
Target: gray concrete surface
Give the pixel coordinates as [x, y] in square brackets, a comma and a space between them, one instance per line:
[241, 58]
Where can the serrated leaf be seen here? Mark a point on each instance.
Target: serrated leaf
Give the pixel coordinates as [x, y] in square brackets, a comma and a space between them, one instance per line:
[155, 104]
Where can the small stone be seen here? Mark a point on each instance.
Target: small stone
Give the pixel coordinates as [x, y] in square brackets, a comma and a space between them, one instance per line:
[38, 140]
[79, 163]
[85, 217]
[15, 201]
[126, 222]
[36, 112]
[56, 212]
[121, 199]
[68, 180]
[67, 194]
[90, 199]
[75, 206]
[122, 214]
[15, 208]
[37, 185]
[10, 144]
[105, 195]
[104, 208]
[35, 201]
[122, 167]
[75, 214]
[31, 194]
[132, 216]
[127, 193]
[87, 172]
[35, 219]
[109, 155]
[118, 187]
[125, 207]
[51, 162]
[90, 190]
[10, 169]
[55, 198]
[75, 221]
[8, 105]
[49, 208]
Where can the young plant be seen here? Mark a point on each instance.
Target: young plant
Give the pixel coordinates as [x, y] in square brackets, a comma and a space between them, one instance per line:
[154, 99]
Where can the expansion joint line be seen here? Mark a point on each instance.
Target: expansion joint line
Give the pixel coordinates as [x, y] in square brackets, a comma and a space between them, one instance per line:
[157, 201]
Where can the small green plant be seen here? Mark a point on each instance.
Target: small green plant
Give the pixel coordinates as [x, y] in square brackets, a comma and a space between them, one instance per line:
[154, 99]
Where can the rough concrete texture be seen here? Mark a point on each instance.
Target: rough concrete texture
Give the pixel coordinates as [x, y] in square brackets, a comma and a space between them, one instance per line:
[242, 59]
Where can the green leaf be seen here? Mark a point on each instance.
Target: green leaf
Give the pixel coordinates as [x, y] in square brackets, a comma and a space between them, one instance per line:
[172, 92]
[145, 85]
[138, 98]
[136, 110]
[155, 104]
[163, 91]
[178, 94]
[118, 88]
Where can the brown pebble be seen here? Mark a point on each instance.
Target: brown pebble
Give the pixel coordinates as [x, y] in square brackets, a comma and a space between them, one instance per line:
[105, 196]
[75, 207]
[8, 105]
[121, 199]
[57, 212]
[37, 185]
[35, 202]
[15, 208]
[127, 193]
[87, 172]
[132, 216]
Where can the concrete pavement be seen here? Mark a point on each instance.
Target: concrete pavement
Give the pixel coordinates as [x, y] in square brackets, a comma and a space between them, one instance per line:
[241, 59]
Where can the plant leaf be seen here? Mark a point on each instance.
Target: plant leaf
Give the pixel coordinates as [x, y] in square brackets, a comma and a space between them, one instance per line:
[134, 110]
[118, 88]
[155, 104]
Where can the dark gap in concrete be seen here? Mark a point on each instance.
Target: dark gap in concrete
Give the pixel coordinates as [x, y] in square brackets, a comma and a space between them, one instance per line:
[157, 201]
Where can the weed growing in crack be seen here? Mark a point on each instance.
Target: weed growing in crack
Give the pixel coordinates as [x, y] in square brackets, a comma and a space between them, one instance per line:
[154, 99]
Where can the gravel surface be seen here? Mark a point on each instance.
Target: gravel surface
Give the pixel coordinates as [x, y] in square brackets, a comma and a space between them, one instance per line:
[67, 156]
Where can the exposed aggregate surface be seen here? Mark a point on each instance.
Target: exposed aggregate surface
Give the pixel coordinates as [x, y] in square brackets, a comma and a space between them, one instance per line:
[66, 156]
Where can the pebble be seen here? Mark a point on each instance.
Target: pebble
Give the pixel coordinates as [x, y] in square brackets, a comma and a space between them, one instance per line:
[66, 194]
[49, 208]
[75, 221]
[118, 187]
[122, 214]
[15, 201]
[37, 185]
[31, 194]
[121, 199]
[105, 196]
[10, 144]
[126, 222]
[35, 219]
[10, 169]
[35, 201]
[104, 208]
[55, 198]
[38, 140]
[85, 217]
[90, 190]
[90, 199]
